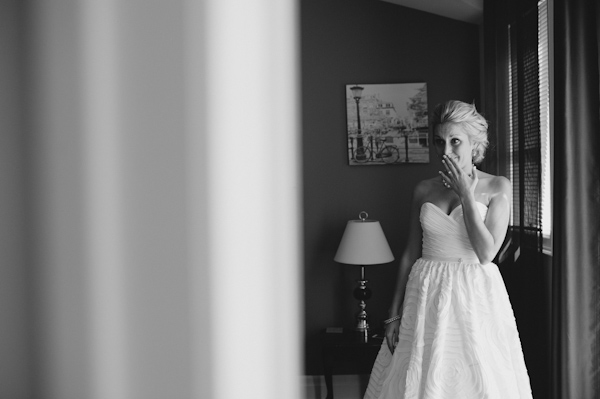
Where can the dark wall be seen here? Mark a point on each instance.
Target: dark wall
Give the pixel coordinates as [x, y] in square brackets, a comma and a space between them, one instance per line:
[365, 41]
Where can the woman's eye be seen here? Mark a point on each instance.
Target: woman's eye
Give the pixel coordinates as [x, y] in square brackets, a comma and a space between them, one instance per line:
[455, 141]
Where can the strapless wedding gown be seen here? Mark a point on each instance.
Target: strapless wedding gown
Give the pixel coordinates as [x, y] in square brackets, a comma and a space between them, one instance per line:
[458, 337]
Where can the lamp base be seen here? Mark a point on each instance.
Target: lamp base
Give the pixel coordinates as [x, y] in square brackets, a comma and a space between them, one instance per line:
[362, 293]
[361, 319]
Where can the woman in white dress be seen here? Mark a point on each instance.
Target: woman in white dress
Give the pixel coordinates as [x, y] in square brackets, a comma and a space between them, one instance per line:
[452, 331]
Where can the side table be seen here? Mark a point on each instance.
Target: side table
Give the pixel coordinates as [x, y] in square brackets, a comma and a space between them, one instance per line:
[348, 346]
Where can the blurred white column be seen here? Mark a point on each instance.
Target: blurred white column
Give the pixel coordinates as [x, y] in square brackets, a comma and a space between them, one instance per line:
[253, 195]
[105, 219]
[167, 198]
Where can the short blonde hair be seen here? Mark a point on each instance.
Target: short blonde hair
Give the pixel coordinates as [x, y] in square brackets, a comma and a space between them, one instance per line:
[475, 125]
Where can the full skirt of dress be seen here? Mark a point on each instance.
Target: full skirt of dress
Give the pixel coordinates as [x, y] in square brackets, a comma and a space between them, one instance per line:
[458, 338]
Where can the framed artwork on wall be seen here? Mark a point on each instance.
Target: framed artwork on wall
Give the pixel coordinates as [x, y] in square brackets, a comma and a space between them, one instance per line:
[387, 124]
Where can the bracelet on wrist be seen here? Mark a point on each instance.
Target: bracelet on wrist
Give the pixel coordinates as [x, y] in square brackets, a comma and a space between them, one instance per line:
[392, 319]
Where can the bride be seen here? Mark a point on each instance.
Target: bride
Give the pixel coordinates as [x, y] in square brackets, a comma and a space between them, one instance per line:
[451, 331]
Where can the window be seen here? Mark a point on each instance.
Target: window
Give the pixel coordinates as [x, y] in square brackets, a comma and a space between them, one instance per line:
[545, 123]
[529, 125]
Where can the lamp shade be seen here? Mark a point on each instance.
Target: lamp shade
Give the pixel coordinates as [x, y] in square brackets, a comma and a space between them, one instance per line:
[363, 243]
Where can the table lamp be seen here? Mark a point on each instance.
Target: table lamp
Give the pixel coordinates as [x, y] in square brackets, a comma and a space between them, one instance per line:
[363, 244]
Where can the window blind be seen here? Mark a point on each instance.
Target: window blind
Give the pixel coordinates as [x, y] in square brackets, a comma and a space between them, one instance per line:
[528, 123]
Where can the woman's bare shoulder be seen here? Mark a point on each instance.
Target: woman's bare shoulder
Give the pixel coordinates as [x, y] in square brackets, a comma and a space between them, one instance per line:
[495, 185]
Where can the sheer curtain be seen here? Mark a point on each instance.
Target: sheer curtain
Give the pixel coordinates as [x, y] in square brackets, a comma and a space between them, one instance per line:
[576, 260]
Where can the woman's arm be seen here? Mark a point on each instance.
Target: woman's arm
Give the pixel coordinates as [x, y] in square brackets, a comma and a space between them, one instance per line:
[486, 236]
[411, 253]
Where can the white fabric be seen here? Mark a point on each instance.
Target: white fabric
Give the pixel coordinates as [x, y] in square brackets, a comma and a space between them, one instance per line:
[458, 337]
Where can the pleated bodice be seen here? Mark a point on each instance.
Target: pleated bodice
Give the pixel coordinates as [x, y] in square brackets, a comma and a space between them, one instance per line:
[445, 237]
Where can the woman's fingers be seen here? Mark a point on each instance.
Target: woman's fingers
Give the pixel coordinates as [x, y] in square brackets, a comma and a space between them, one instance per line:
[455, 173]
[390, 343]
[391, 337]
[450, 164]
[445, 180]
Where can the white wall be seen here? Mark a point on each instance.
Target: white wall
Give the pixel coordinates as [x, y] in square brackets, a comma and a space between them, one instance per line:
[165, 259]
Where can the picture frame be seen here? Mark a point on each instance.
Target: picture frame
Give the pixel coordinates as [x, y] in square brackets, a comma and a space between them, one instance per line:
[387, 124]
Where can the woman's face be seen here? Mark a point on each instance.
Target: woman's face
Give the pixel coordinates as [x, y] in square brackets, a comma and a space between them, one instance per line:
[452, 140]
